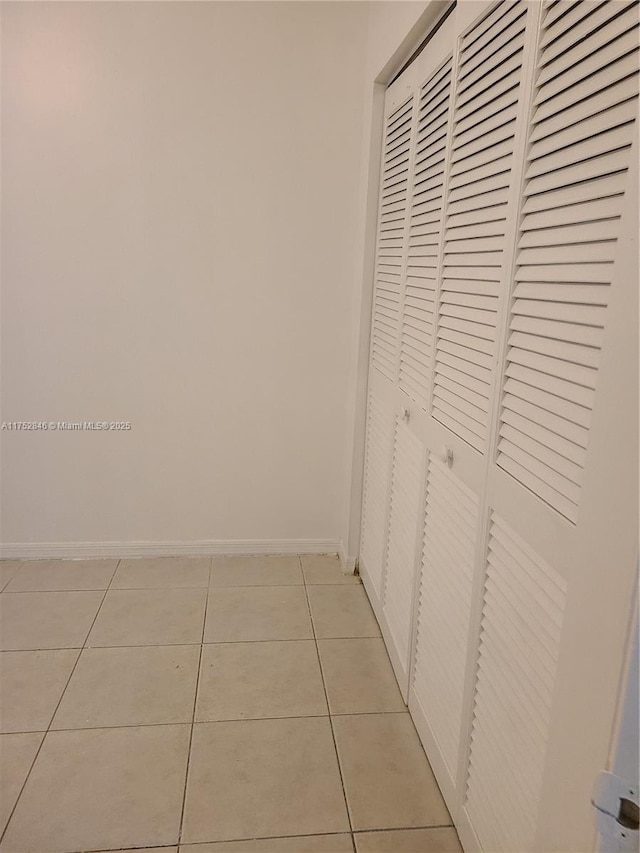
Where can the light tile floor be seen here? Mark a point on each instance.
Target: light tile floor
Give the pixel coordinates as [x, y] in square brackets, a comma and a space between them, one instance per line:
[236, 705]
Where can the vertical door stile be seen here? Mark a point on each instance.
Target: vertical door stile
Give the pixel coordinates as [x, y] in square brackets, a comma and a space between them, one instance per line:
[377, 456]
[404, 500]
[526, 108]
[416, 573]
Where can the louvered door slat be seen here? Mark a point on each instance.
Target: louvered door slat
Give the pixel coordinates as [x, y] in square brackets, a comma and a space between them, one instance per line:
[450, 529]
[524, 595]
[569, 391]
[571, 122]
[462, 512]
[525, 746]
[496, 62]
[513, 695]
[551, 402]
[468, 153]
[405, 491]
[584, 149]
[557, 423]
[564, 16]
[543, 435]
[572, 67]
[542, 453]
[591, 231]
[496, 112]
[589, 128]
[527, 351]
[485, 117]
[425, 236]
[471, 344]
[499, 75]
[390, 249]
[498, 668]
[612, 18]
[374, 501]
[576, 177]
[573, 333]
[558, 98]
[492, 27]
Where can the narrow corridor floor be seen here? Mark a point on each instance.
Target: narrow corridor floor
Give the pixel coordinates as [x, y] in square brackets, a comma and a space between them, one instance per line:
[196, 705]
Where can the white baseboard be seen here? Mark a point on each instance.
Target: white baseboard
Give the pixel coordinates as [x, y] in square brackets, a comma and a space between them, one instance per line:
[197, 548]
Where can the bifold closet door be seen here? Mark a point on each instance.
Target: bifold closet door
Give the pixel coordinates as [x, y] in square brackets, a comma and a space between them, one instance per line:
[561, 505]
[487, 124]
[417, 115]
[499, 535]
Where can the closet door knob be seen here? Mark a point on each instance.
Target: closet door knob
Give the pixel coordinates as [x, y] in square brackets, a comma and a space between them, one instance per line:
[446, 454]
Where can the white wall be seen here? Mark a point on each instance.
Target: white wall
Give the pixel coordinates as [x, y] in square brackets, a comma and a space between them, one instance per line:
[181, 185]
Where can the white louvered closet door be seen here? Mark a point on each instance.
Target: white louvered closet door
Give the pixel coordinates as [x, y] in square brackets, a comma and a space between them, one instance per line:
[561, 500]
[479, 212]
[417, 115]
[500, 511]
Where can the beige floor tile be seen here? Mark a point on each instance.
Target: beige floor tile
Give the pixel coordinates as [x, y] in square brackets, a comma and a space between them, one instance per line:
[387, 778]
[258, 778]
[437, 840]
[131, 617]
[253, 680]
[339, 843]
[325, 569]
[130, 687]
[359, 676]
[162, 572]
[16, 757]
[256, 571]
[102, 788]
[8, 569]
[46, 620]
[342, 611]
[31, 684]
[257, 613]
[51, 575]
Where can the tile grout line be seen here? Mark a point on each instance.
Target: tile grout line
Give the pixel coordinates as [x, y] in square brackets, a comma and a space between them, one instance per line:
[188, 722]
[55, 710]
[326, 699]
[225, 720]
[172, 645]
[208, 587]
[267, 838]
[195, 705]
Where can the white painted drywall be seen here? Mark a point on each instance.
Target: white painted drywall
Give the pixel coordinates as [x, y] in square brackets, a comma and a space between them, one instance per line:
[181, 185]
